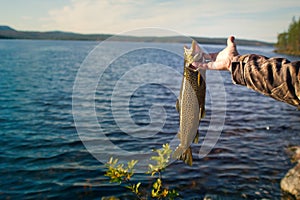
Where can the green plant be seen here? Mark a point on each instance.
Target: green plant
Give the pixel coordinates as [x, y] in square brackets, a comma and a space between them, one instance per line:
[161, 159]
[118, 173]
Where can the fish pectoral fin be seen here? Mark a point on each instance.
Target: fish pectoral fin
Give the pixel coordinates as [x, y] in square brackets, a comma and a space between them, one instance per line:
[177, 105]
[196, 139]
[201, 113]
[199, 78]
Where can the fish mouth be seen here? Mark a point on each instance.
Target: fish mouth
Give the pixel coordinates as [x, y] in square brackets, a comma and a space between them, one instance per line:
[197, 68]
[193, 68]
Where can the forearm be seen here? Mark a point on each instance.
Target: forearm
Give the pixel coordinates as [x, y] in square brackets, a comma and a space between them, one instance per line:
[274, 77]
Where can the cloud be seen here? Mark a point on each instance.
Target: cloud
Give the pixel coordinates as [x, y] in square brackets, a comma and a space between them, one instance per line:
[114, 16]
[193, 17]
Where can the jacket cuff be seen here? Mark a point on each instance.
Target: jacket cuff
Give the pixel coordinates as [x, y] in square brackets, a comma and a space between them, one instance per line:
[237, 72]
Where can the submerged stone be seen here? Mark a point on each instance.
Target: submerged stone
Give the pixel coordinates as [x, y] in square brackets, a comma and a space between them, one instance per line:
[291, 181]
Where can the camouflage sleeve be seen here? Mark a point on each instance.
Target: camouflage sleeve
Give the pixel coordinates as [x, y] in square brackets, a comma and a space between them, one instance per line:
[274, 77]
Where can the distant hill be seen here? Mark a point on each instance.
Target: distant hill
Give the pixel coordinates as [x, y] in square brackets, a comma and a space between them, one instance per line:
[7, 32]
[6, 28]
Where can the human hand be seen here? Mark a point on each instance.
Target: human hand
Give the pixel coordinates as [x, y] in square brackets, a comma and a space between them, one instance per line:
[221, 60]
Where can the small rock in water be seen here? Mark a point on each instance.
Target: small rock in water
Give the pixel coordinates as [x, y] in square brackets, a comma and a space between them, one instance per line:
[291, 182]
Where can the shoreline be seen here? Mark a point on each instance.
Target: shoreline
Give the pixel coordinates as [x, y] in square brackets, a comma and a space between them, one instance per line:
[287, 52]
[7, 32]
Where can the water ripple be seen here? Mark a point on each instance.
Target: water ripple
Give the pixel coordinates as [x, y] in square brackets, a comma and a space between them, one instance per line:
[42, 157]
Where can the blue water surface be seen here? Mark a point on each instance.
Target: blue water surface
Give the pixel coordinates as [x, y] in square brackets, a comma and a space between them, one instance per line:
[44, 157]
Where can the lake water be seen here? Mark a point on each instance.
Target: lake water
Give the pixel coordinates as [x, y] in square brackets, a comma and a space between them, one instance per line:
[63, 112]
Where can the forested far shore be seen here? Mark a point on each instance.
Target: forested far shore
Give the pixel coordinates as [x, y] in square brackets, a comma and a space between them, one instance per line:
[288, 42]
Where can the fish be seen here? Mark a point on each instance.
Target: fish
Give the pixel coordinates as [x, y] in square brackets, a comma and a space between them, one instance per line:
[190, 103]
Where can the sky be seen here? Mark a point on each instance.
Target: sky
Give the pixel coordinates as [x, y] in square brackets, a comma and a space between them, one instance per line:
[245, 19]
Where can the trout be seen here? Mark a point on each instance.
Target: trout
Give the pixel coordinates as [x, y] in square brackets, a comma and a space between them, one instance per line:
[190, 104]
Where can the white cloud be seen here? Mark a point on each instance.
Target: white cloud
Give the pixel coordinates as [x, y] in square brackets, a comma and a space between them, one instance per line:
[193, 17]
[113, 16]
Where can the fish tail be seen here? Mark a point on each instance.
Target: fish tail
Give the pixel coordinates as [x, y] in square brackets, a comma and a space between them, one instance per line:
[188, 157]
[184, 154]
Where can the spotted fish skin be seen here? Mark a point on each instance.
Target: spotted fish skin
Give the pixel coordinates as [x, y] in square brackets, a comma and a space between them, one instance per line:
[190, 104]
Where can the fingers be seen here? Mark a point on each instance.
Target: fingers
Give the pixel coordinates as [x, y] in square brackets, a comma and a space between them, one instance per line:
[210, 65]
[216, 65]
[213, 56]
[200, 65]
[220, 60]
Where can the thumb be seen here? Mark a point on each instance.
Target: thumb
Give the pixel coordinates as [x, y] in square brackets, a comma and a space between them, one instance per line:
[231, 41]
